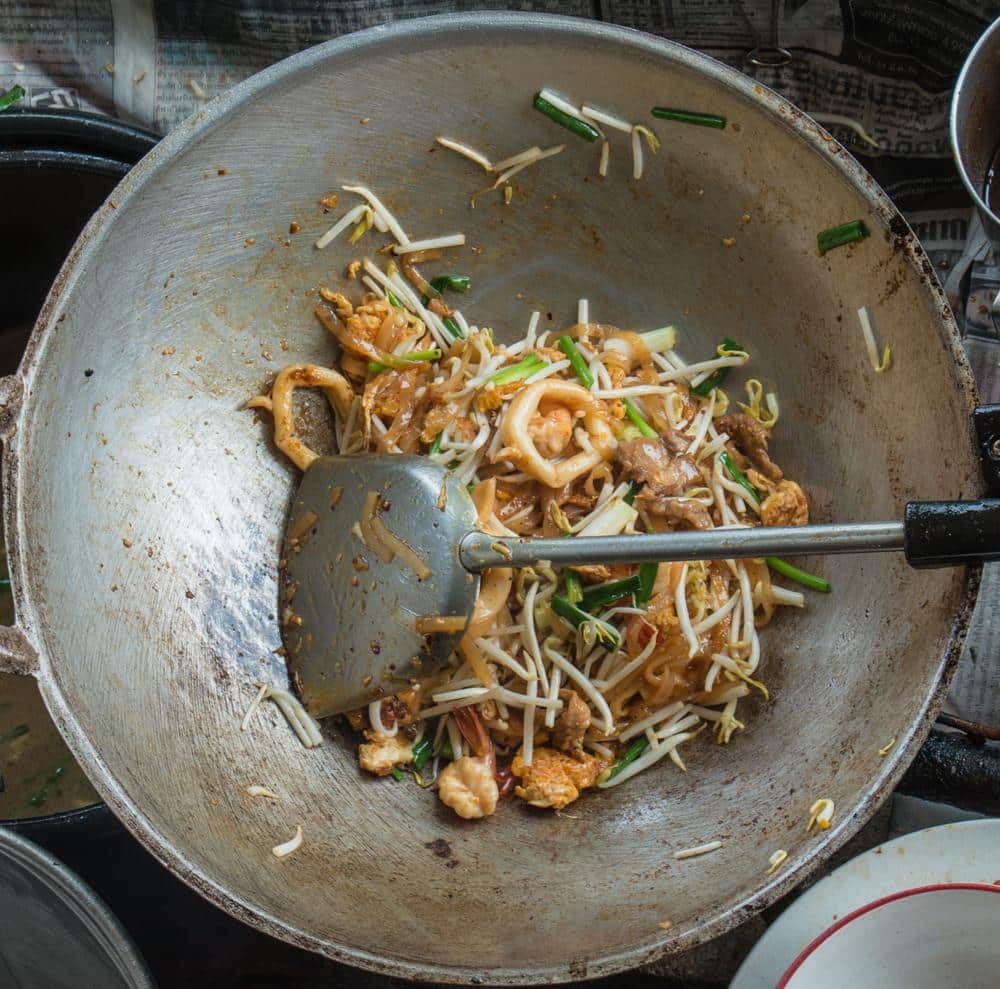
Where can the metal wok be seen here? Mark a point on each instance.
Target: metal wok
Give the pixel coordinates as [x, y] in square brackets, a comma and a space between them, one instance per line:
[144, 507]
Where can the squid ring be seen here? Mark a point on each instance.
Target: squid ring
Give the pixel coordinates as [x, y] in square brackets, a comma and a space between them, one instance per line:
[338, 393]
[521, 450]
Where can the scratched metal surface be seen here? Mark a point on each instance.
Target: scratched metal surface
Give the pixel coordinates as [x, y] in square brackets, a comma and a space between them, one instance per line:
[129, 428]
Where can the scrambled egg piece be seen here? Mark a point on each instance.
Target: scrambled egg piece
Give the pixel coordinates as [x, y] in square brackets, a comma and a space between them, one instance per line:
[554, 779]
[787, 505]
[468, 787]
[381, 752]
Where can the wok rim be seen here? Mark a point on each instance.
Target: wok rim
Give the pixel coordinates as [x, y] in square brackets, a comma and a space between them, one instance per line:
[658, 946]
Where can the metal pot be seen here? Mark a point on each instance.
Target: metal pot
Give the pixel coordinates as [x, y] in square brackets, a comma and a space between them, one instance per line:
[62, 164]
[975, 124]
[56, 932]
[144, 508]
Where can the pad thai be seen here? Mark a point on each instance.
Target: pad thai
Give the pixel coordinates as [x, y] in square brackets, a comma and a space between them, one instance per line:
[580, 677]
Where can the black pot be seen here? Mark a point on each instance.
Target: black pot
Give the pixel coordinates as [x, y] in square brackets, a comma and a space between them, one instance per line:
[56, 168]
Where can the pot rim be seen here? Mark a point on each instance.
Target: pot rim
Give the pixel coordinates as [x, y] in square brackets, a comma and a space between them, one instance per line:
[97, 144]
[92, 912]
[961, 85]
[728, 914]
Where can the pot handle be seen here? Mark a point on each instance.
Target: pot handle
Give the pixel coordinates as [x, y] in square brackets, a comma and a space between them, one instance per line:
[952, 533]
[17, 654]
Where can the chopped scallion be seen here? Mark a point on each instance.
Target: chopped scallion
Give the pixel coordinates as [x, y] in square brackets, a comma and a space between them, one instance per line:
[647, 578]
[396, 774]
[659, 340]
[614, 590]
[393, 301]
[579, 365]
[454, 283]
[519, 371]
[414, 355]
[634, 488]
[637, 420]
[799, 576]
[436, 445]
[739, 477]
[687, 117]
[15, 93]
[716, 378]
[422, 752]
[846, 233]
[579, 127]
[629, 756]
[606, 633]
[453, 328]
[574, 587]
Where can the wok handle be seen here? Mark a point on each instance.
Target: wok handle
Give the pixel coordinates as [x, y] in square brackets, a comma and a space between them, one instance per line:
[952, 533]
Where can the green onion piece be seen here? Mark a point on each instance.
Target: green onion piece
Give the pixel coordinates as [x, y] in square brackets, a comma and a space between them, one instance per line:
[436, 445]
[422, 752]
[637, 420]
[607, 634]
[715, 379]
[396, 774]
[393, 301]
[579, 365]
[659, 340]
[633, 489]
[446, 751]
[574, 587]
[453, 328]
[687, 117]
[579, 127]
[519, 371]
[647, 578]
[800, 576]
[846, 233]
[739, 477]
[414, 355]
[456, 283]
[613, 590]
[12, 95]
[629, 756]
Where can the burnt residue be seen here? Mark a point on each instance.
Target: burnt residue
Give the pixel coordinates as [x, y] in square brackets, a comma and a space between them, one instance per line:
[440, 848]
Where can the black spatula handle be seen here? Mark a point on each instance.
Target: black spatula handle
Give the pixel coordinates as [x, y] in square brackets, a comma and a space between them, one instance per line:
[950, 533]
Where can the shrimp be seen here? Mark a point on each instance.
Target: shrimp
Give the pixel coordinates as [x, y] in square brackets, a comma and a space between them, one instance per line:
[552, 431]
[520, 446]
[468, 787]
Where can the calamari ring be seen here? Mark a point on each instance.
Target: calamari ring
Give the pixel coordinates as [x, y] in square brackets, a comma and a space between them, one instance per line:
[520, 449]
[338, 393]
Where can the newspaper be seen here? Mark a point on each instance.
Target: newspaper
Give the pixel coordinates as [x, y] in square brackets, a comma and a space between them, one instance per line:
[877, 73]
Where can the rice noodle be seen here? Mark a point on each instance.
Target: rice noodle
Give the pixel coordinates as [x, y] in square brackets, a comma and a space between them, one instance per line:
[540, 454]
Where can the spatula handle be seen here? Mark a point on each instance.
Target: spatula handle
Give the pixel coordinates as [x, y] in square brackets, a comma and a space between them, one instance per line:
[934, 534]
[480, 551]
[952, 533]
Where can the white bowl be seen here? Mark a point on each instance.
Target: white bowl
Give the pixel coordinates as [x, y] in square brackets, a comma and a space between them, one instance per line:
[925, 938]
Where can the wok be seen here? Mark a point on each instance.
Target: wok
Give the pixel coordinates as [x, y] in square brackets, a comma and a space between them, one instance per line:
[144, 508]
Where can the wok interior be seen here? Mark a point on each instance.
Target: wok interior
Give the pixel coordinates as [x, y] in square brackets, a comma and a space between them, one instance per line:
[151, 505]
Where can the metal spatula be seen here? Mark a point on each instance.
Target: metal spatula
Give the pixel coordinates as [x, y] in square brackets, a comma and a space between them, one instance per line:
[350, 617]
